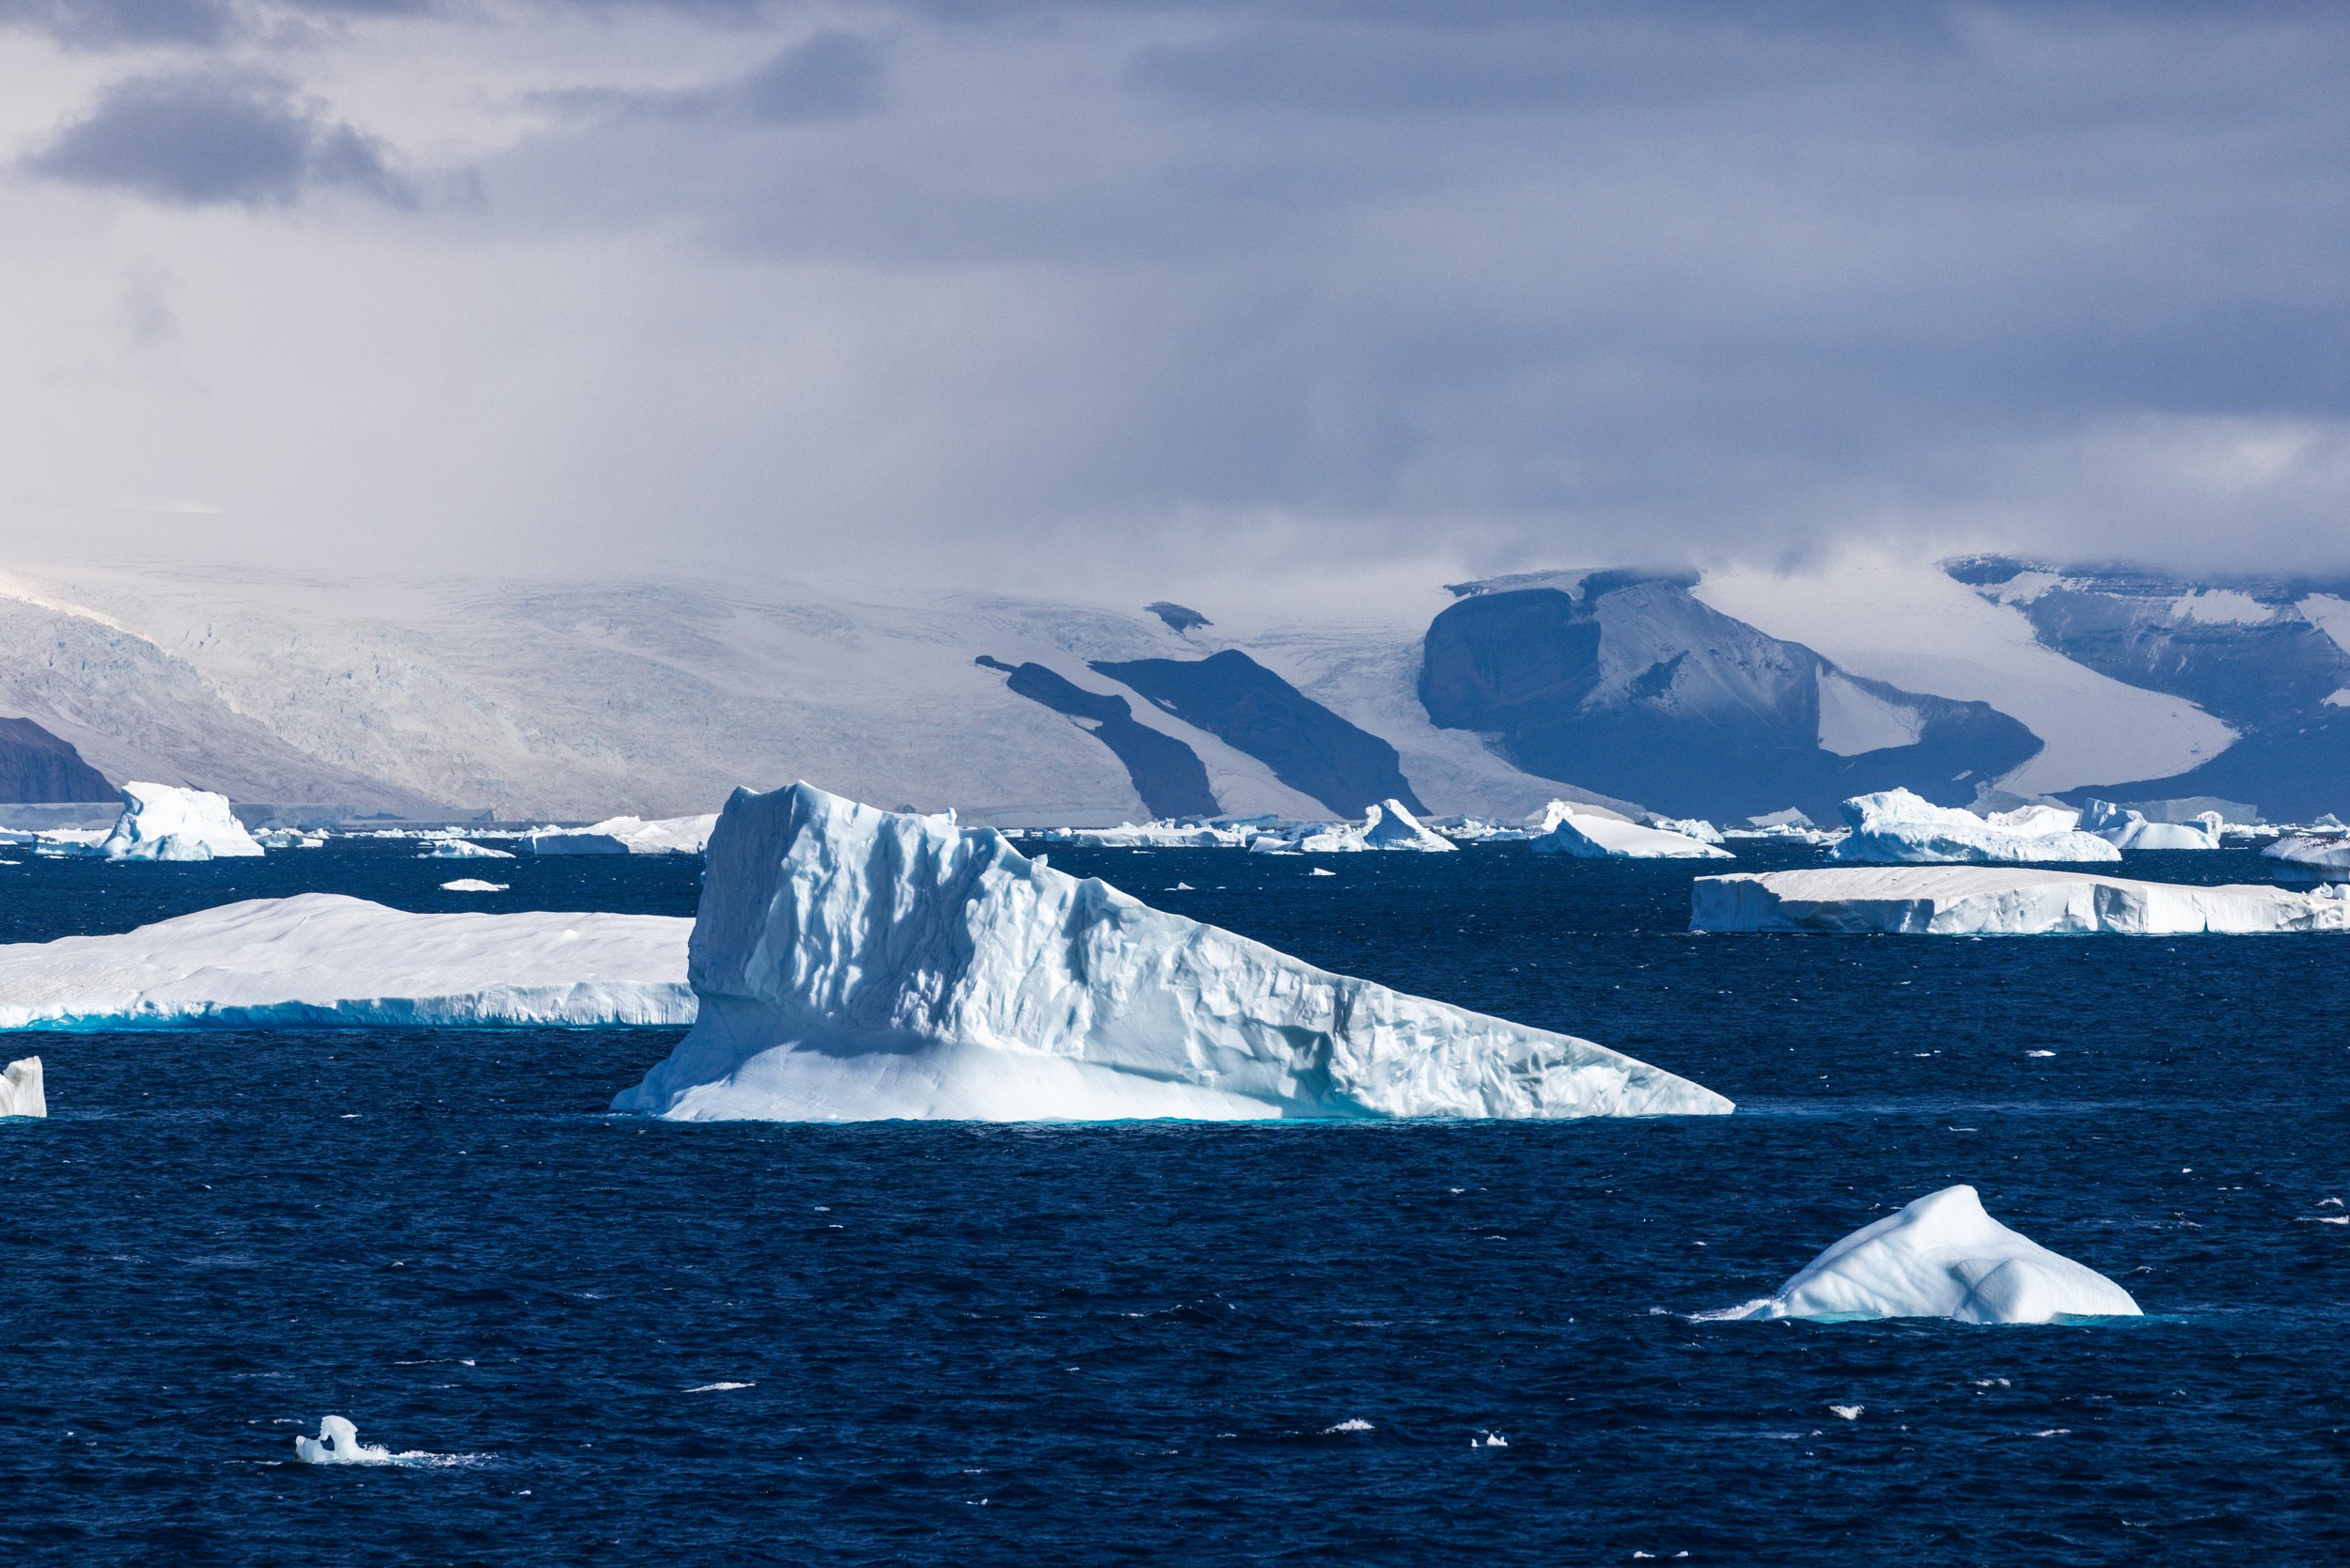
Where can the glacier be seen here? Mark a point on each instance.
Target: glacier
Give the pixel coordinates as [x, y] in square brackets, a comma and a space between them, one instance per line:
[163, 822]
[1899, 827]
[1940, 1257]
[21, 1091]
[325, 959]
[858, 965]
[625, 836]
[1609, 838]
[2007, 900]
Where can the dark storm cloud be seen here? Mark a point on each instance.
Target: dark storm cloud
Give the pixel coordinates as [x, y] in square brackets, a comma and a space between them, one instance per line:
[209, 137]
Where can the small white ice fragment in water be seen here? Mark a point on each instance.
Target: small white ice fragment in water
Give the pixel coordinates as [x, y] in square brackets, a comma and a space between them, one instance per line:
[718, 1387]
[1183, 887]
[1356, 1424]
[1849, 1412]
[1321, 871]
[20, 1093]
[473, 884]
[1490, 1440]
[338, 1443]
[2040, 1053]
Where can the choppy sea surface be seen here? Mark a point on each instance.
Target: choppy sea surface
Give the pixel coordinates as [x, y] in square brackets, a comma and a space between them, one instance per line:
[603, 1339]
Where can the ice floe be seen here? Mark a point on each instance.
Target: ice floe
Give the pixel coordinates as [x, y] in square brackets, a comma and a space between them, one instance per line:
[320, 958]
[1613, 838]
[1896, 826]
[163, 822]
[857, 965]
[21, 1091]
[625, 836]
[2009, 901]
[473, 884]
[1941, 1257]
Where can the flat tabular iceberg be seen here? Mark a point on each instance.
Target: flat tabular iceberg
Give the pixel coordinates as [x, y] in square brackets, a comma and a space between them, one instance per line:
[626, 835]
[1613, 838]
[857, 964]
[21, 1091]
[1942, 1257]
[2008, 901]
[162, 821]
[325, 959]
[1898, 826]
[1156, 835]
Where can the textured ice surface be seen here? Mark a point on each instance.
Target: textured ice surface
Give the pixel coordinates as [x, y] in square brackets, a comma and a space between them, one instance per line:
[1608, 838]
[325, 959]
[1983, 900]
[2126, 829]
[1942, 1257]
[163, 822]
[2312, 852]
[338, 1443]
[1388, 825]
[21, 1091]
[1899, 827]
[856, 964]
[626, 835]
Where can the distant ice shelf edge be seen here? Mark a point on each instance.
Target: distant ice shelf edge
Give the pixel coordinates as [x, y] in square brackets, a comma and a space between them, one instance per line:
[857, 964]
[2002, 900]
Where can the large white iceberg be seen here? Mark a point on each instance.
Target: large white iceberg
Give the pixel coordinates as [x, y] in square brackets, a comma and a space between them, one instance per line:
[1613, 838]
[20, 1093]
[325, 959]
[1896, 826]
[857, 964]
[2126, 829]
[2322, 854]
[163, 822]
[1385, 826]
[2009, 901]
[1942, 1257]
[626, 835]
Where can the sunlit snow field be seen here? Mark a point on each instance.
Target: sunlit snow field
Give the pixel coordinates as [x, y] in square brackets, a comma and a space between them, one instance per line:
[722, 1343]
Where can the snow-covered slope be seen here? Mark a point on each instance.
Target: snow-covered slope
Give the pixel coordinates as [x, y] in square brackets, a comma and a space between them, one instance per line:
[857, 964]
[1942, 1257]
[2001, 901]
[322, 959]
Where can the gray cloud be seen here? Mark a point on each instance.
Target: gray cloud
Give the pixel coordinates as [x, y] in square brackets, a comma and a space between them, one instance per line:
[830, 75]
[115, 23]
[207, 137]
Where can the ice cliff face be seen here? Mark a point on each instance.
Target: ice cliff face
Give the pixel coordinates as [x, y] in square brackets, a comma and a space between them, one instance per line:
[1943, 1256]
[857, 964]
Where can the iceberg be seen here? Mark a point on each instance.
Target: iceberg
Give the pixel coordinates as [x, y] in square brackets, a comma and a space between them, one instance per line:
[2126, 829]
[2309, 852]
[1898, 826]
[460, 848]
[1155, 834]
[625, 836]
[1941, 1257]
[1387, 826]
[162, 821]
[1695, 827]
[20, 1093]
[473, 884]
[1613, 838]
[338, 1443]
[324, 959]
[2001, 901]
[857, 964]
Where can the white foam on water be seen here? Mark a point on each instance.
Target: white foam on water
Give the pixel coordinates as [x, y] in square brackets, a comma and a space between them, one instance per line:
[1847, 1412]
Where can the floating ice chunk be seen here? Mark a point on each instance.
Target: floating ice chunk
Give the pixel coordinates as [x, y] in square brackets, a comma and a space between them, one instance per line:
[1943, 1256]
[1846, 1412]
[1387, 826]
[20, 1093]
[322, 959]
[473, 884]
[1613, 838]
[289, 838]
[1694, 827]
[857, 964]
[163, 822]
[2312, 852]
[1899, 827]
[2001, 901]
[338, 1443]
[625, 836]
[460, 848]
[1354, 1424]
[2125, 829]
[1157, 834]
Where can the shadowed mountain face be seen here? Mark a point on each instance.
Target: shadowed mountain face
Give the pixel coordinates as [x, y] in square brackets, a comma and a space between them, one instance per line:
[2266, 654]
[36, 765]
[1247, 707]
[1167, 773]
[1627, 683]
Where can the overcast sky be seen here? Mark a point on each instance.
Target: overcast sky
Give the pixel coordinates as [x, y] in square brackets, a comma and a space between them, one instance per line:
[1096, 298]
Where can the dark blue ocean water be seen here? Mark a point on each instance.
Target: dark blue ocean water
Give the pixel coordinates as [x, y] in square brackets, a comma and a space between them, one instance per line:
[1132, 1344]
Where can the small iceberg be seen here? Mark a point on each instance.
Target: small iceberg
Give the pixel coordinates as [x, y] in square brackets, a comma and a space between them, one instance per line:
[338, 1443]
[1594, 838]
[856, 964]
[473, 884]
[2002, 900]
[1941, 1257]
[2126, 829]
[1152, 835]
[322, 960]
[2322, 854]
[625, 836]
[20, 1093]
[1387, 826]
[1897, 827]
[163, 822]
[461, 849]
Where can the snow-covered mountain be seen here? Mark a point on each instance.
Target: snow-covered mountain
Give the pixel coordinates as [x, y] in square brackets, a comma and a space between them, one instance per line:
[1724, 696]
